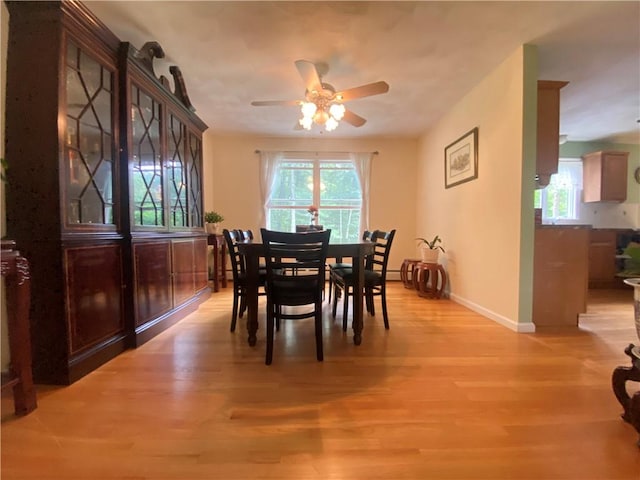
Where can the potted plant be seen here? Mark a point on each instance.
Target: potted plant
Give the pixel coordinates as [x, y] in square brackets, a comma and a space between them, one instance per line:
[212, 220]
[430, 249]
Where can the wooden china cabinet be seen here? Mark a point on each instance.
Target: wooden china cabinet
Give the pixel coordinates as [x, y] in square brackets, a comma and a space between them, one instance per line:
[104, 188]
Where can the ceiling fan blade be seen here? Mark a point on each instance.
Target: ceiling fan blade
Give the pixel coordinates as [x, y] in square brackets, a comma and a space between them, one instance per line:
[353, 119]
[273, 103]
[367, 90]
[309, 75]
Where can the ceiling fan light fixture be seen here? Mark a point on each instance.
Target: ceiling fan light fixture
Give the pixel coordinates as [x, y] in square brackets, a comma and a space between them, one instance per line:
[322, 104]
[308, 109]
[331, 124]
[321, 117]
[306, 122]
[337, 111]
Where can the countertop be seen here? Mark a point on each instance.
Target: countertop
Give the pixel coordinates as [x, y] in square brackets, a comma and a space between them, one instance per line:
[545, 225]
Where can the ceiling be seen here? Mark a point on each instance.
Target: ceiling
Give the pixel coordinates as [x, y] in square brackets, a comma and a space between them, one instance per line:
[430, 53]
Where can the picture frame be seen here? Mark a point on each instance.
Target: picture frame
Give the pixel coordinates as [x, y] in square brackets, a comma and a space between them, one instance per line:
[461, 159]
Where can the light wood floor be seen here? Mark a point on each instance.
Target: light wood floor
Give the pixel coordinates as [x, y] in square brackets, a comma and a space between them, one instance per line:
[444, 394]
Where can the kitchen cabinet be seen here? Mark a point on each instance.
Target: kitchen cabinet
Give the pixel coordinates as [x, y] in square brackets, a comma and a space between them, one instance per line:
[602, 258]
[560, 274]
[103, 155]
[604, 176]
[548, 133]
[606, 244]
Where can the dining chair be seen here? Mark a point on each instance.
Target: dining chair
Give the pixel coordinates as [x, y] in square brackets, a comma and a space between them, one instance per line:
[305, 254]
[308, 228]
[375, 278]
[244, 234]
[340, 265]
[238, 271]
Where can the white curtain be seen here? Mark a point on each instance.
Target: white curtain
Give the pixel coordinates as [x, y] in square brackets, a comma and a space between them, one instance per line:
[362, 164]
[269, 165]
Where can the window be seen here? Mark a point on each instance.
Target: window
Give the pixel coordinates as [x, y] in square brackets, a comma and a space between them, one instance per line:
[331, 183]
[560, 200]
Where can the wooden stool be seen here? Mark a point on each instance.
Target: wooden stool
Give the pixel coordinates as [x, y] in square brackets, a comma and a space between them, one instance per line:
[429, 279]
[407, 271]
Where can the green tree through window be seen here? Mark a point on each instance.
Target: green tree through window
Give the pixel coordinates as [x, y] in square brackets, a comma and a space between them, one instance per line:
[330, 184]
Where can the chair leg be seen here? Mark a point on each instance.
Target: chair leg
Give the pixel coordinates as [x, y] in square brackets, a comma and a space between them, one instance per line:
[318, 322]
[372, 308]
[367, 301]
[383, 296]
[243, 304]
[335, 301]
[278, 315]
[330, 288]
[270, 315]
[234, 312]
[345, 308]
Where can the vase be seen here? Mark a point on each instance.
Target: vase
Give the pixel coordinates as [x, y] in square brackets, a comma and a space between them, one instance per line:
[429, 255]
[635, 283]
[211, 228]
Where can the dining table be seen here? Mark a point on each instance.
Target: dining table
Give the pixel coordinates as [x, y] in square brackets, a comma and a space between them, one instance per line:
[357, 251]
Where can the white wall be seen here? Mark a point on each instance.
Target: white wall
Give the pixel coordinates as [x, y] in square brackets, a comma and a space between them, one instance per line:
[480, 221]
[231, 175]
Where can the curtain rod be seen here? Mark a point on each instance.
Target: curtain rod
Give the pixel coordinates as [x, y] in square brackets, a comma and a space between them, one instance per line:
[315, 153]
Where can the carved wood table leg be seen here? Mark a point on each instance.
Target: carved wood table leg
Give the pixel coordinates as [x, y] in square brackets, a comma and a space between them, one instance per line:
[619, 378]
[15, 270]
[407, 272]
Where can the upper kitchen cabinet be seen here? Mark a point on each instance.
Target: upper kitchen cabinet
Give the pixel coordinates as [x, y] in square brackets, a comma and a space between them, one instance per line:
[548, 146]
[605, 176]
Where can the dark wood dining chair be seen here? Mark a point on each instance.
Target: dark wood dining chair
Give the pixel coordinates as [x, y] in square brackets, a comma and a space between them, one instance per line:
[238, 271]
[244, 235]
[343, 266]
[375, 278]
[308, 228]
[302, 253]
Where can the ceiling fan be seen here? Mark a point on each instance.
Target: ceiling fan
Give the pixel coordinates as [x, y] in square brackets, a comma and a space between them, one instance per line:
[322, 104]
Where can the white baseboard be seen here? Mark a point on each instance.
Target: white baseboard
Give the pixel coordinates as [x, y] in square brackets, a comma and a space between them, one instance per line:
[528, 327]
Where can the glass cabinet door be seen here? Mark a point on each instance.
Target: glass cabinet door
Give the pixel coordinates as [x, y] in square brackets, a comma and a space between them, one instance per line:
[176, 173]
[89, 150]
[194, 167]
[145, 167]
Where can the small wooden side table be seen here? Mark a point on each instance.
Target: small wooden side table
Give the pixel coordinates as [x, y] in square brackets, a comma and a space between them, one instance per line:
[407, 271]
[15, 270]
[219, 274]
[429, 279]
[620, 376]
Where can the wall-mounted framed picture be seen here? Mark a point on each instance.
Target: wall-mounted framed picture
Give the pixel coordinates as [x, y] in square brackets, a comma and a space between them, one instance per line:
[461, 159]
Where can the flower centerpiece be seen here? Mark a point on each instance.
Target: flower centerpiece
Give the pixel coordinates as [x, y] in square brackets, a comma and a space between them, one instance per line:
[313, 211]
